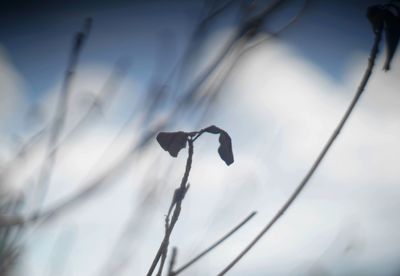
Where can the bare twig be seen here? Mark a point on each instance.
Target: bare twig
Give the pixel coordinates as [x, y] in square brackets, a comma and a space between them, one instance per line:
[214, 245]
[177, 201]
[331, 140]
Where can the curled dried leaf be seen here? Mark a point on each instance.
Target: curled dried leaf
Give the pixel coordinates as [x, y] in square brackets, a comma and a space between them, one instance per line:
[225, 148]
[225, 143]
[213, 129]
[172, 142]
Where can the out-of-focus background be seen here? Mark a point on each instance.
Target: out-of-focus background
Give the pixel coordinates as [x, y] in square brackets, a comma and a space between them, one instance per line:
[144, 64]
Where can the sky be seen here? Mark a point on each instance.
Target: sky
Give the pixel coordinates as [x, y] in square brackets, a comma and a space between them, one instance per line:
[280, 102]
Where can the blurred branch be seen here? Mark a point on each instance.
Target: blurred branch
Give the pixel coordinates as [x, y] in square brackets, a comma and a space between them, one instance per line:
[107, 92]
[105, 96]
[61, 110]
[78, 197]
[317, 162]
[215, 88]
[289, 24]
[214, 245]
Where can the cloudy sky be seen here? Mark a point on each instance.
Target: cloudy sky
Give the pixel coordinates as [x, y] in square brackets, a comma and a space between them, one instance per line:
[280, 102]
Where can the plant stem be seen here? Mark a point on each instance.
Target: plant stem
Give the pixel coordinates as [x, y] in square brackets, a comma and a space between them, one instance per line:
[163, 249]
[331, 140]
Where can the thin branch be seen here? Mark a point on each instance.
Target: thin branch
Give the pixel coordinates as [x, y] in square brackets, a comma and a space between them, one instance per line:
[214, 245]
[331, 140]
[177, 201]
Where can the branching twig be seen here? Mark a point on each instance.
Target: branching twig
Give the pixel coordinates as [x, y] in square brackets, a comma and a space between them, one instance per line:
[331, 140]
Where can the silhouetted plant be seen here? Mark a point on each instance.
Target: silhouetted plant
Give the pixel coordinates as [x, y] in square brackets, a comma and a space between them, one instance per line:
[384, 18]
[174, 142]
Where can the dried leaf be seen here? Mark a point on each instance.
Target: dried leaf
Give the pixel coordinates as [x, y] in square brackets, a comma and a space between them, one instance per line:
[225, 148]
[213, 129]
[225, 144]
[172, 142]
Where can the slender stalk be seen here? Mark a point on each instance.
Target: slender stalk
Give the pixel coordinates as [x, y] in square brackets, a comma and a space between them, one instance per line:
[331, 140]
[214, 245]
[178, 204]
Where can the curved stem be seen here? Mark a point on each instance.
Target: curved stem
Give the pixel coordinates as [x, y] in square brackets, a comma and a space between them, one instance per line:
[331, 140]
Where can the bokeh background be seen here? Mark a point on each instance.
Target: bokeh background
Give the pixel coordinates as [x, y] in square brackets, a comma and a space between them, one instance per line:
[278, 95]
